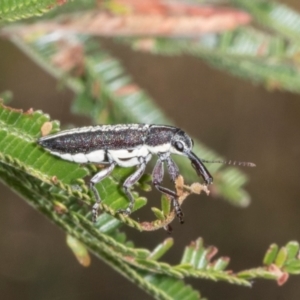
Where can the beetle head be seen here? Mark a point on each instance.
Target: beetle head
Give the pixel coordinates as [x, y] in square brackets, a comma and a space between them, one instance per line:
[182, 144]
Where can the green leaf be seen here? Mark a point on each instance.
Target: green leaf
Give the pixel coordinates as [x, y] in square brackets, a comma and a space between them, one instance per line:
[274, 15]
[292, 266]
[165, 205]
[199, 253]
[270, 255]
[247, 52]
[174, 289]
[19, 9]
[159, 214]
[187, 255]
[281, 257]
[144, 182]
[278, 264]
[292, 249]
[79, 250]
[18, 134]
[161, 249]
[6, 96]
[221, 263]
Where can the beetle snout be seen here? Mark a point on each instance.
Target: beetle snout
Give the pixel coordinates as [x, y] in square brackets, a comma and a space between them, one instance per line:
[200, 168]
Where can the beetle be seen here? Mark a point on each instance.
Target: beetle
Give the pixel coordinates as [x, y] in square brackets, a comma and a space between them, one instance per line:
[127, 145]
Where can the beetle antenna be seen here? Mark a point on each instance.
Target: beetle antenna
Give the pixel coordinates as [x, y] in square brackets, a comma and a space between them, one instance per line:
[231, 162]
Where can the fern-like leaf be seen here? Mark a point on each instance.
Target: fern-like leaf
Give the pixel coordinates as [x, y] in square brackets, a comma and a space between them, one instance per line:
[11, 10]
[279, 263]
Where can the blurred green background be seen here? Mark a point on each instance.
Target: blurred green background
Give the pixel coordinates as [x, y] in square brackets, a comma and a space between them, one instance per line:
[239, 120]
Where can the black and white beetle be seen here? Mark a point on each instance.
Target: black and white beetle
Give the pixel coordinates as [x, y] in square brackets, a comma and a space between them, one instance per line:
[127, 145]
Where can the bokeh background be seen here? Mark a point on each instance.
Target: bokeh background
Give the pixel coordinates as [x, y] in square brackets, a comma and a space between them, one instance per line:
[239, 120]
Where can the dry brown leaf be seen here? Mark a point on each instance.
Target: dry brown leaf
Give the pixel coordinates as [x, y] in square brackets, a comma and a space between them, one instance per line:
[127, 90]
[70, 57]
[182, 191]
[182, 21]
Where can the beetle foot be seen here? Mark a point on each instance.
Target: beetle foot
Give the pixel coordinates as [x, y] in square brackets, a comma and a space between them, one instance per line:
[126, 211]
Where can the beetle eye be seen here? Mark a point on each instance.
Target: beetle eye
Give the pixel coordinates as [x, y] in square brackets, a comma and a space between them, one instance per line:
[178, 146]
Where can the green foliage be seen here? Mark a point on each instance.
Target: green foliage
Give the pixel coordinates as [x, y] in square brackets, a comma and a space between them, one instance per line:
[11, 10]
[268, 55]
[19, 9]
[276, 16]
[18, 134]
[279, 263]
[246, 52]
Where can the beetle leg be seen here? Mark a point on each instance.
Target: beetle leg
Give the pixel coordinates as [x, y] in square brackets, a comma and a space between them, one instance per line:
[97, 178]
[157, 178]
[129, 182]
[174, 173]
[172, 169]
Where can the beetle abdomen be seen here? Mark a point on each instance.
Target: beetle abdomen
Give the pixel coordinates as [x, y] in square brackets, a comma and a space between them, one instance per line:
[89, 139]
[94, 144]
